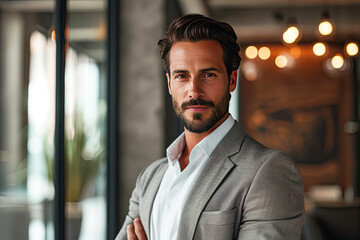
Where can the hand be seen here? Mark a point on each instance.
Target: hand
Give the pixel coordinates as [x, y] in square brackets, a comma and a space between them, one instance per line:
[136, 231]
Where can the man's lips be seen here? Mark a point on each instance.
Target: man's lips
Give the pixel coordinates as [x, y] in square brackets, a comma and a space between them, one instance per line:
[197, 108]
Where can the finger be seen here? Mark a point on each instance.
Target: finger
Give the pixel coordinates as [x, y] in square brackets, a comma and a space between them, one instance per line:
[130, 232]
[139, 229]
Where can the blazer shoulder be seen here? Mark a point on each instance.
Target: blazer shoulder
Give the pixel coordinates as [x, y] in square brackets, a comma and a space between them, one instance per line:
[253, 155]
[154, 166]
[148, 172]
[257, 151]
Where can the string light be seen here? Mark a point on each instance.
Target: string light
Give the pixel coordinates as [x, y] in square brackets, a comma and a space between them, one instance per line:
[291, 34]
[281, 61]
[319, 49]
[337, 61]
[251, 52]
[325, 26]
[352, 49]
[264, 53]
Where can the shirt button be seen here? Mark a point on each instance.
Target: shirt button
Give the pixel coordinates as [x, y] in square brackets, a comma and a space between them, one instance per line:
[170, 205]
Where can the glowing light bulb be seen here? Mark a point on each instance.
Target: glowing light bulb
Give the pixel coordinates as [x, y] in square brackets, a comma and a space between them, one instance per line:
[281, 61]
[251, 52]
[264, 53]
[337, 61]
[319, 49]
[294, 31]
[291, 35]
[325, 27]
[352, 49]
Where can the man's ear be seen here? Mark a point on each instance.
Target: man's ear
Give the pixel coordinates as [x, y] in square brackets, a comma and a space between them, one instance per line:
[233, 80]
[168, 83]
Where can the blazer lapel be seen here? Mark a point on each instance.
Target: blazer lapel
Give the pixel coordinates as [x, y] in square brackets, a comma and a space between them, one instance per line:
[210, 177]
[149, 197]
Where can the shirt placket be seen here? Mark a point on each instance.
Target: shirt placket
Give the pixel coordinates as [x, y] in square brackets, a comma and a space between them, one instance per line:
[168, 210]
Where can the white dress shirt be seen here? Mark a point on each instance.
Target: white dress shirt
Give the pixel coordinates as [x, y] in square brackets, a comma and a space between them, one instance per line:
[176, 184]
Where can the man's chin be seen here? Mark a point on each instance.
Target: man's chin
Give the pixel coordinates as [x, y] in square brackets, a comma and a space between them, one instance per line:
[194, 119]
[195, 129]
[198, 126]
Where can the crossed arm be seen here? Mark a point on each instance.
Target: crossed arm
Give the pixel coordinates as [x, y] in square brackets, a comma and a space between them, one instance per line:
[135, 231]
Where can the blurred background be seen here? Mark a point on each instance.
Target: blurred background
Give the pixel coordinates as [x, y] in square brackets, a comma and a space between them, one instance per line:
[298, 92]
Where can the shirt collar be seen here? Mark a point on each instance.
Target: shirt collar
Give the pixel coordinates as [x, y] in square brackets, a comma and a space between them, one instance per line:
[207, 145]
[174, 151]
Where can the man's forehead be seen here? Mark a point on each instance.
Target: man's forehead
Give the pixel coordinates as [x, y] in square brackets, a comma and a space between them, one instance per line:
[204, 53]
[200, 44]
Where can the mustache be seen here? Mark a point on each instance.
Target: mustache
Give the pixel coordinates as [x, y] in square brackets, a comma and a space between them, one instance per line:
[198, 101]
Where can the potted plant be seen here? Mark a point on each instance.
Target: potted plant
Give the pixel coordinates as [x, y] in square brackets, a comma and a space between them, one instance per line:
[82, 164]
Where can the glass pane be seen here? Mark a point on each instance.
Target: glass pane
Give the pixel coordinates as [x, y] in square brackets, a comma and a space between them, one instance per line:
[85, 117]
[27, 78]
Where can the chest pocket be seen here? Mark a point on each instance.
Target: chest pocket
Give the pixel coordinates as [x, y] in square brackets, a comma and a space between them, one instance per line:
[216, 225]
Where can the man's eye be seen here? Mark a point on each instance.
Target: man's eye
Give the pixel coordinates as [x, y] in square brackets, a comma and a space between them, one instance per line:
[180, 76]
[210, 75]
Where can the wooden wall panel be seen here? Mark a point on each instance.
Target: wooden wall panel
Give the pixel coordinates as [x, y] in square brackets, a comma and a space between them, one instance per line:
[301, 110]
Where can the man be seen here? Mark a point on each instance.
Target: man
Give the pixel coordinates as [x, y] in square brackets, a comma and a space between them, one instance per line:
[216, 182]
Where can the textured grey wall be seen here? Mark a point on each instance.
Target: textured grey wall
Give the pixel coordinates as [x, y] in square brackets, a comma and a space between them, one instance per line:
[11, 89]
[141, 90]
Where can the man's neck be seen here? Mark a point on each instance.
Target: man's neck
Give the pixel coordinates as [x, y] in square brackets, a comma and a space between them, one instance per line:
[192, 139]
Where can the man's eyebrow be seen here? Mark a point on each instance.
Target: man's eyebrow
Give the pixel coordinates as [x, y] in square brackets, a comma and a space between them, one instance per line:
[201, 70]
[179, 71]
[210, 69]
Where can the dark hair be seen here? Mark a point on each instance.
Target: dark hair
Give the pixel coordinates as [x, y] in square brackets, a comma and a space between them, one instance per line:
[195, 27]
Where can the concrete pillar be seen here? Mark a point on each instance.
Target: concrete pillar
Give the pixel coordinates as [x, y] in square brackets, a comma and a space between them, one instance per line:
[11, 90]
[142, 24]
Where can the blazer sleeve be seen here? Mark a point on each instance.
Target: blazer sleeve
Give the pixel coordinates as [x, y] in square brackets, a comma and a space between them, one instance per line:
[274, 205]
[133, 209]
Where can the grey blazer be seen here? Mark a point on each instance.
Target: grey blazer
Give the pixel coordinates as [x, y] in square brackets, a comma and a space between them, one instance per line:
[244, 191]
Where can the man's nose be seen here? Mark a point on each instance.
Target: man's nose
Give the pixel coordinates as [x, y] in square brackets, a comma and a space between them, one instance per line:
[195, 90]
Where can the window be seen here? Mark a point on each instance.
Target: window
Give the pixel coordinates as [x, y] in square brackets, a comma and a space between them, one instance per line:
[28, 90]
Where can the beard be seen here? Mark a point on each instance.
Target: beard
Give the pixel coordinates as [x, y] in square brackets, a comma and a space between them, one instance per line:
[197, 123]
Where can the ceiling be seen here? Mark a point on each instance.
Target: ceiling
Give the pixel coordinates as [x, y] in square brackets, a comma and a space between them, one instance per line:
[48, 5]
[277, 3]
[257, 21]
[265, 20]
